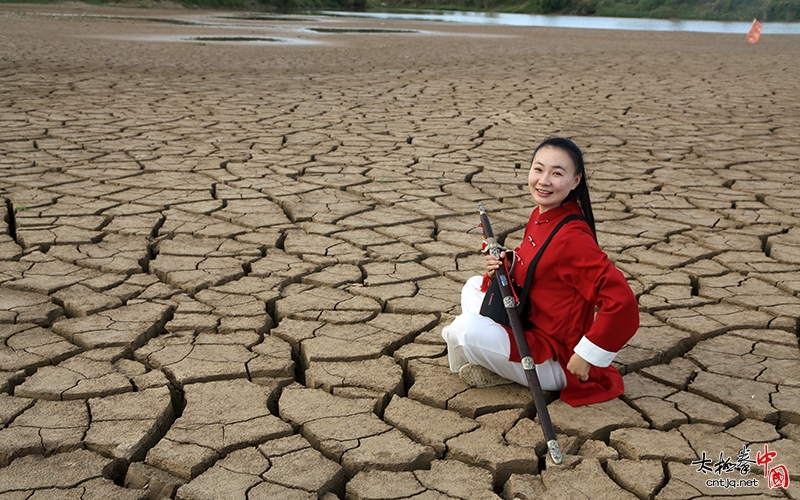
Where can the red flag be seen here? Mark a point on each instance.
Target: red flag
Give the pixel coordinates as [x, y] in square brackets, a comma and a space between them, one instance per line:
[755, 32]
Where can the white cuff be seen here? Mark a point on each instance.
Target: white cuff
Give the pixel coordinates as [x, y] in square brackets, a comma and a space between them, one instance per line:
[593, 354]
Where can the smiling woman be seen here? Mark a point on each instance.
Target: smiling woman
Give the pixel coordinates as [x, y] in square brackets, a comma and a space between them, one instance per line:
[552, 177]
[582, 310]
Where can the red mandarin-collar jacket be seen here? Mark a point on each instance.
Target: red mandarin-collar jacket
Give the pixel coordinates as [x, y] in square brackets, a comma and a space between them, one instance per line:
[572, 280]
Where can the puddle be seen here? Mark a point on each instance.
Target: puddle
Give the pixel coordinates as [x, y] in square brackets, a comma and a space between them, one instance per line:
[205, 39]
[360, 30]
[257, 34]
[235, 39]
[156, 20]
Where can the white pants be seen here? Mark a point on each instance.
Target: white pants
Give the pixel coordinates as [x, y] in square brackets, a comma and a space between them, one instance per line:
[475, 339]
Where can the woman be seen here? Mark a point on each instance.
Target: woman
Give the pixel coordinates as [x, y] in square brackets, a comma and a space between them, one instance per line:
[582, 308]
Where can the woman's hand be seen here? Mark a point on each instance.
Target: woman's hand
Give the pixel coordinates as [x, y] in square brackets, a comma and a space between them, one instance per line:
[492, 263]
[579, 367]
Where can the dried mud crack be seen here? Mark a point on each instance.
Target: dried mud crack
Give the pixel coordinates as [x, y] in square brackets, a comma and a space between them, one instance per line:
[225, 267]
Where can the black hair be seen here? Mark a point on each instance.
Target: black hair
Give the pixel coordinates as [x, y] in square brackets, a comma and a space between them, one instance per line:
[581, 191]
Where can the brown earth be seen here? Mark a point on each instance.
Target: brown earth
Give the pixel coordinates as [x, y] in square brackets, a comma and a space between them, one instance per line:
[225, 265]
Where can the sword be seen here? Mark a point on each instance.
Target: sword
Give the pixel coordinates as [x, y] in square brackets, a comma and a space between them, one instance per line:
[510, 303]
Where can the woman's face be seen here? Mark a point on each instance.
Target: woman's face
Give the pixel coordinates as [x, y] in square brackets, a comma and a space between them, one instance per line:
[553, 175]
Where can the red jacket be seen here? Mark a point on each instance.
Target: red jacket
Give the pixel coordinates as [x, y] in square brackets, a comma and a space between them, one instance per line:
[573, 278]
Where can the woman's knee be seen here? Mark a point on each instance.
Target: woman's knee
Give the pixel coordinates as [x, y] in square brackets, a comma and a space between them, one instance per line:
[471, 295]
[474, 283]
[551, 375]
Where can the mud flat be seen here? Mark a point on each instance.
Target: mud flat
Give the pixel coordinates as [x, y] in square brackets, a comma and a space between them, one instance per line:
[229, 246]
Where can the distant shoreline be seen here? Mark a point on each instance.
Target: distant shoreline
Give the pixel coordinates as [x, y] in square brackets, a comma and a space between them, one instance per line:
[769, 11]
[579, 22]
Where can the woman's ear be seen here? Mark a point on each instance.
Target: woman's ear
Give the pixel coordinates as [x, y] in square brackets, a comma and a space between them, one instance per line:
[577, 181]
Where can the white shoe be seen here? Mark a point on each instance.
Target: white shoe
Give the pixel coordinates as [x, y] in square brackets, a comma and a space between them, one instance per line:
[478, 376]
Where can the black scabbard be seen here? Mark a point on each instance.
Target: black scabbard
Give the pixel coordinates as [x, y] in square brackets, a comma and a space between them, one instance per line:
[528, 365]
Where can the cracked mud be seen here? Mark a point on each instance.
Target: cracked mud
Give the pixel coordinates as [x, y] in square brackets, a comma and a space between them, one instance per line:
[225, 265]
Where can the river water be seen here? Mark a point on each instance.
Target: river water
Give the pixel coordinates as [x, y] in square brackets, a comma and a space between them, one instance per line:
[581, 22]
